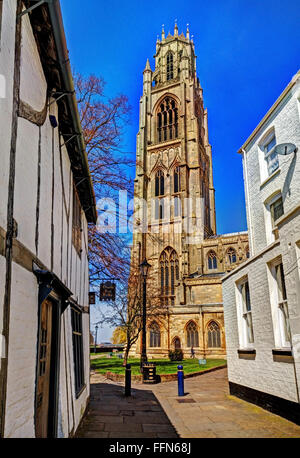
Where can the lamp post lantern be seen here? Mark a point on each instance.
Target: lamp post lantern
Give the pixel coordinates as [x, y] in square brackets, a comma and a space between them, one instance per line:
[144, 268]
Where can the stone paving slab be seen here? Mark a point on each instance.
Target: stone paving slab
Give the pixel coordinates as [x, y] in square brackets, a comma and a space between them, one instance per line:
[154, 411]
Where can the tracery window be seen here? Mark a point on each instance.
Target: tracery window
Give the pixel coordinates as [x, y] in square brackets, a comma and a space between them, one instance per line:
[154, 335]
[170, 72]
[159, 183]
[213, 335]
[177, 179]
[212, 260]
[169, 272]
[167, 120]
[192, 335]
[231, 255]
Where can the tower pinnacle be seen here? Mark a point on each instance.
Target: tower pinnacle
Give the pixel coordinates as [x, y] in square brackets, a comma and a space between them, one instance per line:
[187, 31]
[176, 29]
[147, 68]
[163, 32]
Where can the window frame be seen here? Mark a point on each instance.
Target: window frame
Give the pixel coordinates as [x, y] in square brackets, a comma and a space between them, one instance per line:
[279, 304]
[245, 317]
[78, 353]
[269, 152]
[176, 180]
[167, 119]
[169, 66]
[154, 335]
[276, 199]
[230, 252]
[217, 339]
[159, 183]
[77, 223]
[212, 254]
[169, 273]
[192, 337]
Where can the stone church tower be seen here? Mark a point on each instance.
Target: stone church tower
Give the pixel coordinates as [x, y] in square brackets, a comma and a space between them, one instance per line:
[176, 228]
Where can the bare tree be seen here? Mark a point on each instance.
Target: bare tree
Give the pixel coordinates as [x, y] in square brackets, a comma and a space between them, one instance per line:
[103, 121]
[126, 311]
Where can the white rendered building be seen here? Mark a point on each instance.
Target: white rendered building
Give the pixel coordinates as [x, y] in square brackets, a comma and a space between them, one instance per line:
[47, 201]
[262, 296]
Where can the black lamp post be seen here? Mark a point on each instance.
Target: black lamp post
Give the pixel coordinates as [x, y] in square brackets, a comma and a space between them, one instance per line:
[144, 268]
[96, 327]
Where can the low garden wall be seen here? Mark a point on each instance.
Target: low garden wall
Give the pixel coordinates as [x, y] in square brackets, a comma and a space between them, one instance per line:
[161, 377]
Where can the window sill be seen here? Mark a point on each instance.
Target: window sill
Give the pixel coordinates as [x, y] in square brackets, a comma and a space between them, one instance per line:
[246, 351]
[77, 395]
[277, 172]
[282, 352]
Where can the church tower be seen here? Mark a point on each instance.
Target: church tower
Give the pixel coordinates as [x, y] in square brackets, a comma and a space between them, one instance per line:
[174, 178]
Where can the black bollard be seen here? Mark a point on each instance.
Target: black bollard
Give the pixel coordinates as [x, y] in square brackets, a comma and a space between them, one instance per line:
[128, 380]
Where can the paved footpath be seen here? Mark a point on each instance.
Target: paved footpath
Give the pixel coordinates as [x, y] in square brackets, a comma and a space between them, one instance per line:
[155, 411]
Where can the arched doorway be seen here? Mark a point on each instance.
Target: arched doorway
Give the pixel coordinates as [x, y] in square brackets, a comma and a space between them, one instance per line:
[176, 343]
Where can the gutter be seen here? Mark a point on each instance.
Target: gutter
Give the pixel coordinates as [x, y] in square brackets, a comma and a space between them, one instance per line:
[64, 62]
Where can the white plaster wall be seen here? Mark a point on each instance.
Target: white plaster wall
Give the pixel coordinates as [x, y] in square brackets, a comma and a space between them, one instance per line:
[26, 182]
[33, 86]
[22, 354]
[285, 122]
[57, 213]
[44, 244]
[7, 56]
[24, 302]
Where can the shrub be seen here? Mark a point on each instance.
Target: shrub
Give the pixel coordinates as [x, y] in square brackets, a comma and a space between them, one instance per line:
[176, 355]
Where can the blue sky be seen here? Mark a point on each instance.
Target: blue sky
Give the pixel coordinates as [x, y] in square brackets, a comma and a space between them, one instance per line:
[247, 53]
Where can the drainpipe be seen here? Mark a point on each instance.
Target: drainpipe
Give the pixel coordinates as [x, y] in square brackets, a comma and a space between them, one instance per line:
[250, 232]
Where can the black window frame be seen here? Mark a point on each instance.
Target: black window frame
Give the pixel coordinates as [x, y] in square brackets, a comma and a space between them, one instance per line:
[78, 355]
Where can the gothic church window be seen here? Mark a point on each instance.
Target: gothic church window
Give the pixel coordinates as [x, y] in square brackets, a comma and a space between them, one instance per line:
[231, 255]
[170, 72]
[213, 335]
[177, 179]
[192, 335]
[167, 120]
[212, 260]
[154, 335]
[159, 183]
[169, 272]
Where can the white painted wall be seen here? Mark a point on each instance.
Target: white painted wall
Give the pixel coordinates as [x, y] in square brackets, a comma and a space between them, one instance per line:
[285, 123]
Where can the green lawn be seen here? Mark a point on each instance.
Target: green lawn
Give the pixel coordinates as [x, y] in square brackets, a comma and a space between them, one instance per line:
[163, 366]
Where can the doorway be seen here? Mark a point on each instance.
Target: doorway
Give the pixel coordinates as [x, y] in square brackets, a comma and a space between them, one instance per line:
[176, 343]
[47, 370]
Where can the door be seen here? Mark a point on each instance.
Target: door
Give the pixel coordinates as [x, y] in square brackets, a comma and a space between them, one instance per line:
[44, 370]
[177, 344]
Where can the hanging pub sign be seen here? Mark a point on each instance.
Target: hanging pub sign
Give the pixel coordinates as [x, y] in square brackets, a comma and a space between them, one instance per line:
[107, 291]
[92, 298]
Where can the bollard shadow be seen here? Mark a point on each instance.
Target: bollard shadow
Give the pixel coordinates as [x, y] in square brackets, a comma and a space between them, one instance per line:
[113, 415]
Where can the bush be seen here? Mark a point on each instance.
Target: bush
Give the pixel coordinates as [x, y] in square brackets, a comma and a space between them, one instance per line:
[176, 355]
